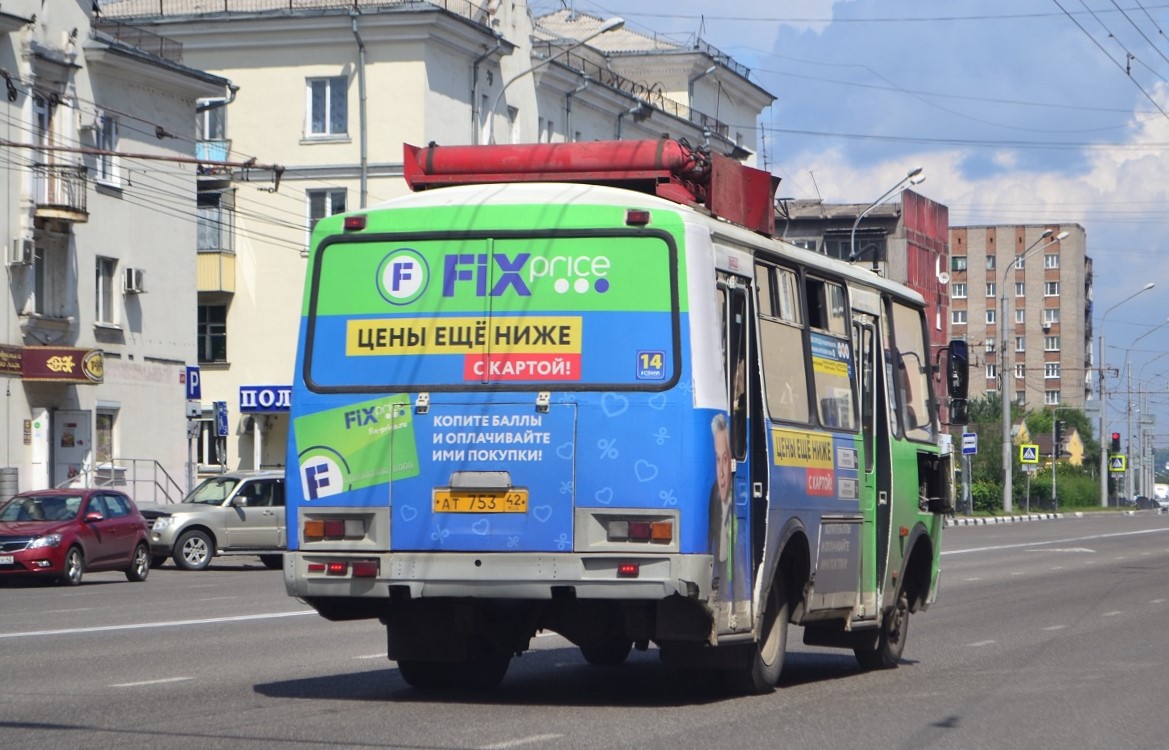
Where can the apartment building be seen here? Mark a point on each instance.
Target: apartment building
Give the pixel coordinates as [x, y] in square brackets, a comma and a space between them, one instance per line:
[98, 240]
[1041, 280]
[327, 93]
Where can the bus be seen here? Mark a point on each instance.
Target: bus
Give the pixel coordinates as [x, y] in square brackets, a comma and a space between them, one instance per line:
[582, 388]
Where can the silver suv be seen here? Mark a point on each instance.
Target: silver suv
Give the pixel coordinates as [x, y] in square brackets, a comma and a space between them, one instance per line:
[237, 513]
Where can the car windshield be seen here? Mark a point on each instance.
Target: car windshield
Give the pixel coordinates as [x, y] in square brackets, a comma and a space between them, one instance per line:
[41, 508]
[212, 491]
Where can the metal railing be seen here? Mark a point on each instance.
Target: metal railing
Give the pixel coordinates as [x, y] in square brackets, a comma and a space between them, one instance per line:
[60, 187]
[154, 8]
[141, 478]
[147, 41]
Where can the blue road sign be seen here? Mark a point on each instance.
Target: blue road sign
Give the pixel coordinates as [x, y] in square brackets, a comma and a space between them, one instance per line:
[221, 418]
[969, 443]
[194, 384]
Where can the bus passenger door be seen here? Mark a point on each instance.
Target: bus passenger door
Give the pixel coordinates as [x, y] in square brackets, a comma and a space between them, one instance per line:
[733, 517]
[874, 485]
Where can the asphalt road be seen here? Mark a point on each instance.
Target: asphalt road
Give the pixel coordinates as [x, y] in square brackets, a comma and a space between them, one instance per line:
[1046, 634]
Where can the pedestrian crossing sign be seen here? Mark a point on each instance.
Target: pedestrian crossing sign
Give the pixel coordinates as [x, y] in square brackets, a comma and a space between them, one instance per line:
[1117, 463]
[1029, 453]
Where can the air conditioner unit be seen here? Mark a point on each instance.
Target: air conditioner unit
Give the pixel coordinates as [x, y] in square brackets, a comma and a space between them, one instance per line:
[22, 252]
[133, 281]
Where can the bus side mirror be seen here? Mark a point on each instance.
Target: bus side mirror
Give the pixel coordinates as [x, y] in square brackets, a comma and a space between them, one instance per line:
[958, 369]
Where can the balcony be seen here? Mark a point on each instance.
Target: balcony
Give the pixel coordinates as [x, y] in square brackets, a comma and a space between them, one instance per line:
[213, 150]
[215, 272]
[59, 192]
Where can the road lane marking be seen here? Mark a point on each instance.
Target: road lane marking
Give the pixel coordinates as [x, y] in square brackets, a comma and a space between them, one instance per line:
[1114, 613]
[148, 625]
[520, 741]
[382, 655]
[63, 611]
[978, 644]
[1055, 627]
[1053, 541]
[153, 682]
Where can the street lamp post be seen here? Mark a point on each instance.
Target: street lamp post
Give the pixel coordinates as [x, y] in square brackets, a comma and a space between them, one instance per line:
[915, 177]
[1006, 379]
[1130, 485]
[610, 25]
[1104, 396]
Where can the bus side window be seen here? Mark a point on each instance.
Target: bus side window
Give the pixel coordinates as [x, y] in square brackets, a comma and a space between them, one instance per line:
[782, 348]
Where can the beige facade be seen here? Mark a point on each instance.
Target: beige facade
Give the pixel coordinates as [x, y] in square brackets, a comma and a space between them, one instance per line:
[329, 94]
[1048, 328]
[98, 236]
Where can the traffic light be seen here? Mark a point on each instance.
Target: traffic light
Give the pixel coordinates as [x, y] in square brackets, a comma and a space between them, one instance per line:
[1057, 449]
[1116, 442]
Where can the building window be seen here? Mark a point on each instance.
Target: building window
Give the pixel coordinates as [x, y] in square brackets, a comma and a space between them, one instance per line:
[1051, 370]
[807, 244]
[212, 333]
[990, 317]
[103, 310]
[990, 289]
[322, 203]
[958, 291]
[957, 317]
[210, 450]
[1051, 315]
[1051, 261]
[992, 371]
[990, 262]
[211, 122]
[958, 263]
[106, 168]
[1020, 343]
[215, 221]
[990, 346]
[1051, 343]
[1020, 289]
[1051, 289]
[103, 443]
[1051, 398]
[328, 106]
[1019, 261]
[1020, 316]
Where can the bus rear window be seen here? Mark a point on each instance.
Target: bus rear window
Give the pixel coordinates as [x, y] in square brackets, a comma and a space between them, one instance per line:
[432, 312]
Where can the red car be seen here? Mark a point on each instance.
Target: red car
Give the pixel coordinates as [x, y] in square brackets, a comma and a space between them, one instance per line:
[60, 534]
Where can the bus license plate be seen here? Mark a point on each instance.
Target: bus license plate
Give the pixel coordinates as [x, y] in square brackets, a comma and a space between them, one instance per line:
[469, 501]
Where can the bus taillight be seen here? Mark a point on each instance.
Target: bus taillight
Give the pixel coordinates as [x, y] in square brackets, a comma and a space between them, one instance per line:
[628, 570]
[355, 223]
[318, 529]
[640, 530]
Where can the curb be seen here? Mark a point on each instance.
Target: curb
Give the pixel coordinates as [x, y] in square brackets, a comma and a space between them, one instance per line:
[991, 520]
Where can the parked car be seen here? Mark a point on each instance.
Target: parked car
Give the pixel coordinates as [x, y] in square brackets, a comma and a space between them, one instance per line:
[61, 534]
[237, 513]
[1146, 503]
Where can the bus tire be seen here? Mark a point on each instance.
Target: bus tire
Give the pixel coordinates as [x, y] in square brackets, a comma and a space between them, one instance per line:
[425, 675]
[482, 672]
[272, 562]
[884, 652]
[767, 660]
[608, 653]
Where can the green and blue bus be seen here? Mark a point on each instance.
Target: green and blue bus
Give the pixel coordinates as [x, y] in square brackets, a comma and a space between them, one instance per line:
[566, 388]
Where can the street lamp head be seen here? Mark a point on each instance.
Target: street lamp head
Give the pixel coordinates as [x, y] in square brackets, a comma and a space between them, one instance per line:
[612, 24]
[1148, 286]
[1062, 235]
[917, 180]
[1046, 233]
[914, 172]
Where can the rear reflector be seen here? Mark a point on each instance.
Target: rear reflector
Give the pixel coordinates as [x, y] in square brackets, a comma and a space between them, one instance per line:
[365, 569]
[316, 567]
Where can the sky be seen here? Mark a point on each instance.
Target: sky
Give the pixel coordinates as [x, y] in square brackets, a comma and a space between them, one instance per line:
[1019, 111]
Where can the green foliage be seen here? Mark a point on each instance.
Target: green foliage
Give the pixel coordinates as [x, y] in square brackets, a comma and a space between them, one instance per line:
[987, 497]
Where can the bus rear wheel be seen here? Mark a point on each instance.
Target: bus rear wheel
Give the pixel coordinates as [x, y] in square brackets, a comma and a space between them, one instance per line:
[766, 663]
[884, 651]
[481, 672]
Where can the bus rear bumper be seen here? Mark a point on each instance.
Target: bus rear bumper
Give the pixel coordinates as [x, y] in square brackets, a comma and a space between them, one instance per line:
[497, 575]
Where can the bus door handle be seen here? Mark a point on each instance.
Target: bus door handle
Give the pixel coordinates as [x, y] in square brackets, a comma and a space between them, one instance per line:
[882, 498]
[757, 490]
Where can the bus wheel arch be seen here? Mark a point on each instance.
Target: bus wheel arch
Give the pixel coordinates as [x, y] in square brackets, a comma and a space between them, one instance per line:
[884, 649]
